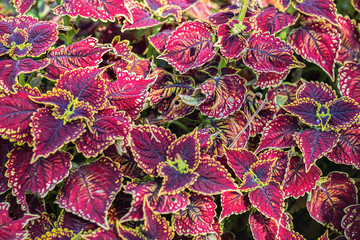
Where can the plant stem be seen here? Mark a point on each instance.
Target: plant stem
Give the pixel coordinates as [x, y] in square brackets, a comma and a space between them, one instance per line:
[243, 11]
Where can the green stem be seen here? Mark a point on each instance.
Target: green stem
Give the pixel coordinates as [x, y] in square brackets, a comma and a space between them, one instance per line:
[243, 11]
[221, 65]
[21, 79]
[31, 77]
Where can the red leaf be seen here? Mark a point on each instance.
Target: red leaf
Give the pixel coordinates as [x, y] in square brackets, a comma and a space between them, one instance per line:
[306, 109]
[351, 222]
[347, 149]
[268, 200]
[190, 46]
[22, 6]
[224, 95]
[141, 18]
[197, 217]
[262, 227]
[90, 189]
[318, 8]
[41, 36]
[297, 181]
[266, 53]
[280, 164]
[74, 223]
[349, 80]
[344, 112]
[11, 229]
[350, 45]
[128, 92]
[322, 44]
[268, 79]
[279, 133]
[160, 39]
[5, 148]
[85, 53]
[10, 69]
[272, 20]
[15, 114]
[98, 9]
[240, 160]
[108, 126]
[149, 145]
[156, 227]
[327, 201]
[213, 178]
[233, 202]
[314, 143]
[50, 133]
[319, 92]
[40, 177]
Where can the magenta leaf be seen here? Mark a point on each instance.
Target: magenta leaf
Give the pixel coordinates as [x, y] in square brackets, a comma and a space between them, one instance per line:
[344, 112]
[190, 46]
[15, 114]
[149, 145]
[280, 164]
[322, 44]
[10, 69]
[85, 53]
[11, 229]
[40, 177]
[351, 222]
[349, 80]
[74, 223]
[90, 189]
[224, 95]
[272, 20]
[298, 181]
[108, 126]
[279, 133]
[141, 18]
[22, 6]
[306, 109]
[268, 79]
[160, 39]
[41, 36]
[314, 143]
[350, 45]
[5, 148]
[240, 160]
[347, 149]
[268, 200]
[327, 201]
[266, 53]
[156, 227]
[320, 92]
[128, 92]
[98, 9]
[197, 217]
[262, 227]
[85, 84]
[318, 8]
[50, 133]
[233, 202]
[213, 178]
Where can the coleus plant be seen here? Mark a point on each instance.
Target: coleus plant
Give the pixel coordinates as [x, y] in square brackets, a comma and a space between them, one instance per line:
[179, 119]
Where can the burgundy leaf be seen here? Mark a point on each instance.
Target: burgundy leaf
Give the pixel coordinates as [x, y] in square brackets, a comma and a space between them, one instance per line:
[262, 227]
[320, 92]
[22, 6]
[90, 189]
[318, 8]
[279, 165]
[213, 178]
[108, 126]
[224, 95]
[197, 217]
[347, 149]
[268, 200]
[314, 143]
[141, 18]
[297, 181]
[317, 42]
[351, 222]
[149, 145]
[349, 80]
[50, 133]
[268, 79]
[74, 223]
[344, 112]
[160, 39]
[98, 9]
[5, 148]
[190, 46]
[41, 36]
[306, 109]
[272, 20]
[327, 201]
[266, 53]
[240, 160]
[10, 69]
[233, 202]
[128, 92]
[40, 226]
[279, 133]
[40, 177]
[15, 114]
[350, 45]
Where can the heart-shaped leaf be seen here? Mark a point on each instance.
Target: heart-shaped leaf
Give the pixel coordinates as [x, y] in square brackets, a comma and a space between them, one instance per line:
[272, 20]
[320, 92]
[305, 109]
[233, 202]
[327, 201]
[90, 189]
[41, 36]
[344, 112]
[240, 160]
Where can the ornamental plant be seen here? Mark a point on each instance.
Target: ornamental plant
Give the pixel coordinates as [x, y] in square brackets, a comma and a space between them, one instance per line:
[180, 119]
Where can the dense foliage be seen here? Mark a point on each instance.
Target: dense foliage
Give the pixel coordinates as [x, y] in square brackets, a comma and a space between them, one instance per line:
[179, 119]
